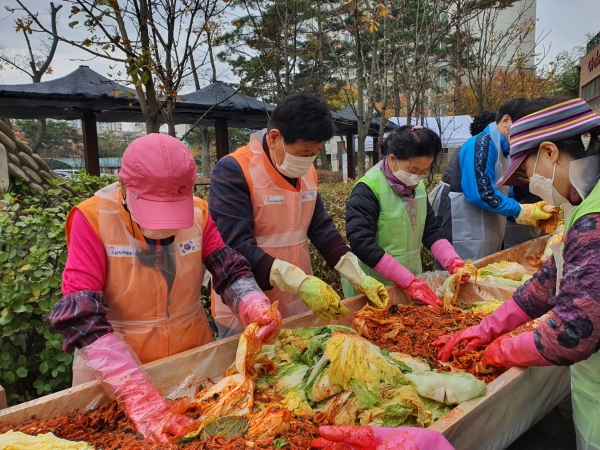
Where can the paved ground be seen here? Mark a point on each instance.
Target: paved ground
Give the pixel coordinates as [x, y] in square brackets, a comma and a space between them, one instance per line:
[553, 432]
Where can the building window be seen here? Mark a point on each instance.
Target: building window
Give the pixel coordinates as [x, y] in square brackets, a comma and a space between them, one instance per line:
[591, 93]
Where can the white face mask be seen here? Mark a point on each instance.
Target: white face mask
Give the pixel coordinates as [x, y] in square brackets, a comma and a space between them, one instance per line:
[544, 187]
[409, 179]
[293, 166]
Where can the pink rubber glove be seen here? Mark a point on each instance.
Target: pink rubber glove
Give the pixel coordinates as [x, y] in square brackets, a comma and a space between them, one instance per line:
[379, 438]
[420, 291]
[391, 269]
[445, 254]
[509, 351]
[453, 267]
[506, 318]
[255, 307]
[115, 365]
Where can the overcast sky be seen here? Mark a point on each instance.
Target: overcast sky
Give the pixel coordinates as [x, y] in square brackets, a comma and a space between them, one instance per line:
[567, 21]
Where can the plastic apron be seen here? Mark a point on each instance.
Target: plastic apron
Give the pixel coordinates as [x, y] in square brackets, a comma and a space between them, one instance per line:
[585, 375]
[282, 216]
[153, 291]
[476, 232]
[400, 226]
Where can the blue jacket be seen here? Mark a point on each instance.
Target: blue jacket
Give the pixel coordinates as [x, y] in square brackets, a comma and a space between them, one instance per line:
[477, 159]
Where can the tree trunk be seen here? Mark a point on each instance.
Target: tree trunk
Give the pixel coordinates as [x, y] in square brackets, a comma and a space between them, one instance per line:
[206, 169]
[40, 135]
[152, 125]
[320, 63]
[457, 79]
[168, 110]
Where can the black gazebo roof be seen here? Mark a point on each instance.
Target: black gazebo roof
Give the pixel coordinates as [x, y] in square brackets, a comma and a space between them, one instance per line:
[347, 119]
[63, 98]
[223, 101]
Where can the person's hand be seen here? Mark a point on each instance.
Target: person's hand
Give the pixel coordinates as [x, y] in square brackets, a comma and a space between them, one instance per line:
[506, 318]
[531, 213]
[115, 365]
[420, 291]
[475, 336]
[322, 299]
[349, 268]
[319, 296]
[518, 351]
[453, 267]
[443, 251]
[255, 307]
[379, 438]
[375, 291]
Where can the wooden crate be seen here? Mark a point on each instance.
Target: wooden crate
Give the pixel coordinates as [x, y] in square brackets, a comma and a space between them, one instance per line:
[515, 401]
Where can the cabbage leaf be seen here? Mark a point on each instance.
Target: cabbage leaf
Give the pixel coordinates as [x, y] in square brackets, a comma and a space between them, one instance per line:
[444, 387]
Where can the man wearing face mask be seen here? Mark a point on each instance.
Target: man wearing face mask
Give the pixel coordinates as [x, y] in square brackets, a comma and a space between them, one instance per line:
[472, 210]
[137, 254]
[264, 198]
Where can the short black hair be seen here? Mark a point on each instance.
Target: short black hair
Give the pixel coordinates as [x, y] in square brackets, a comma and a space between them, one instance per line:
[407, 142]
[302, 117]
[516, 109]
[481, 120]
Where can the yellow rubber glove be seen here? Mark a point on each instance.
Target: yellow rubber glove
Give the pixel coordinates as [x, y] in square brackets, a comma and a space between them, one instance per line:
[531, 213]
[319, 296]
[322, 299]
[375, 292]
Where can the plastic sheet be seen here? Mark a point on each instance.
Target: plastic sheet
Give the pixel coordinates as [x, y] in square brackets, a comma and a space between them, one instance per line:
[515, 401]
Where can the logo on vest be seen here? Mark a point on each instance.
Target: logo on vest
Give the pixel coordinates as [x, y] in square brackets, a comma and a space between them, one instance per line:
[120, 251]
[273, 200]
[309, 196]
[190, 246]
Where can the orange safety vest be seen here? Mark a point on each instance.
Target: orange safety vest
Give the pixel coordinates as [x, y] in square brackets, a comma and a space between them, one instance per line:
[155, 321]
[282, 215]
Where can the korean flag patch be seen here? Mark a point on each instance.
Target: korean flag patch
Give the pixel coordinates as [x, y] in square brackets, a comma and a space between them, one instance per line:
[190, 246]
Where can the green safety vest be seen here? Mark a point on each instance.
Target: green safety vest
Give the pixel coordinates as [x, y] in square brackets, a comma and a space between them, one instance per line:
[395, 232]
[585, 375]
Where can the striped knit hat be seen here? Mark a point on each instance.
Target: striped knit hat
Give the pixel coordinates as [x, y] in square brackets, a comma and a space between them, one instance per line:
[558, 122]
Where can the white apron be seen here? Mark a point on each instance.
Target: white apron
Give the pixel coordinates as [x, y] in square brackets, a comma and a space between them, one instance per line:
[477, 233]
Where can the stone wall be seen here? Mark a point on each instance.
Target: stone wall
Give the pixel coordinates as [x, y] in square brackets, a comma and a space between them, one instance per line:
[18, 161]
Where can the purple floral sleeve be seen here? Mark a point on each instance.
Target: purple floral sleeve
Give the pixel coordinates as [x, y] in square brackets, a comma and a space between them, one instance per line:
[572, 333]
[536, 297]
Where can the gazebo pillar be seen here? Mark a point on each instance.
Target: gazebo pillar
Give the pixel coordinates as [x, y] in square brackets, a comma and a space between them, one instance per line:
[90, 143]
[350, 155]
[221, 138]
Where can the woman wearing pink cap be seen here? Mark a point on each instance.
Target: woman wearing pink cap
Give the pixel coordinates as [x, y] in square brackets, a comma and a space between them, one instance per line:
[555, 150]
[137, 254]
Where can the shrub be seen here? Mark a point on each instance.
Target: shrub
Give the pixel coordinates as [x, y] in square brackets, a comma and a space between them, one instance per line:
[32, 259]
[326, 176]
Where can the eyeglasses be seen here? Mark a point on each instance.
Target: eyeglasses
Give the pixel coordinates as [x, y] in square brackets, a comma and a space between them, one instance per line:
[413, 170]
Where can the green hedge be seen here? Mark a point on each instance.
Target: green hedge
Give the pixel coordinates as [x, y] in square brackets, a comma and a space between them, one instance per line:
[32, 258]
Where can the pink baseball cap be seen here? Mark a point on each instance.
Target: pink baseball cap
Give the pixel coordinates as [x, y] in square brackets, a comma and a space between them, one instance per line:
[159, 172]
